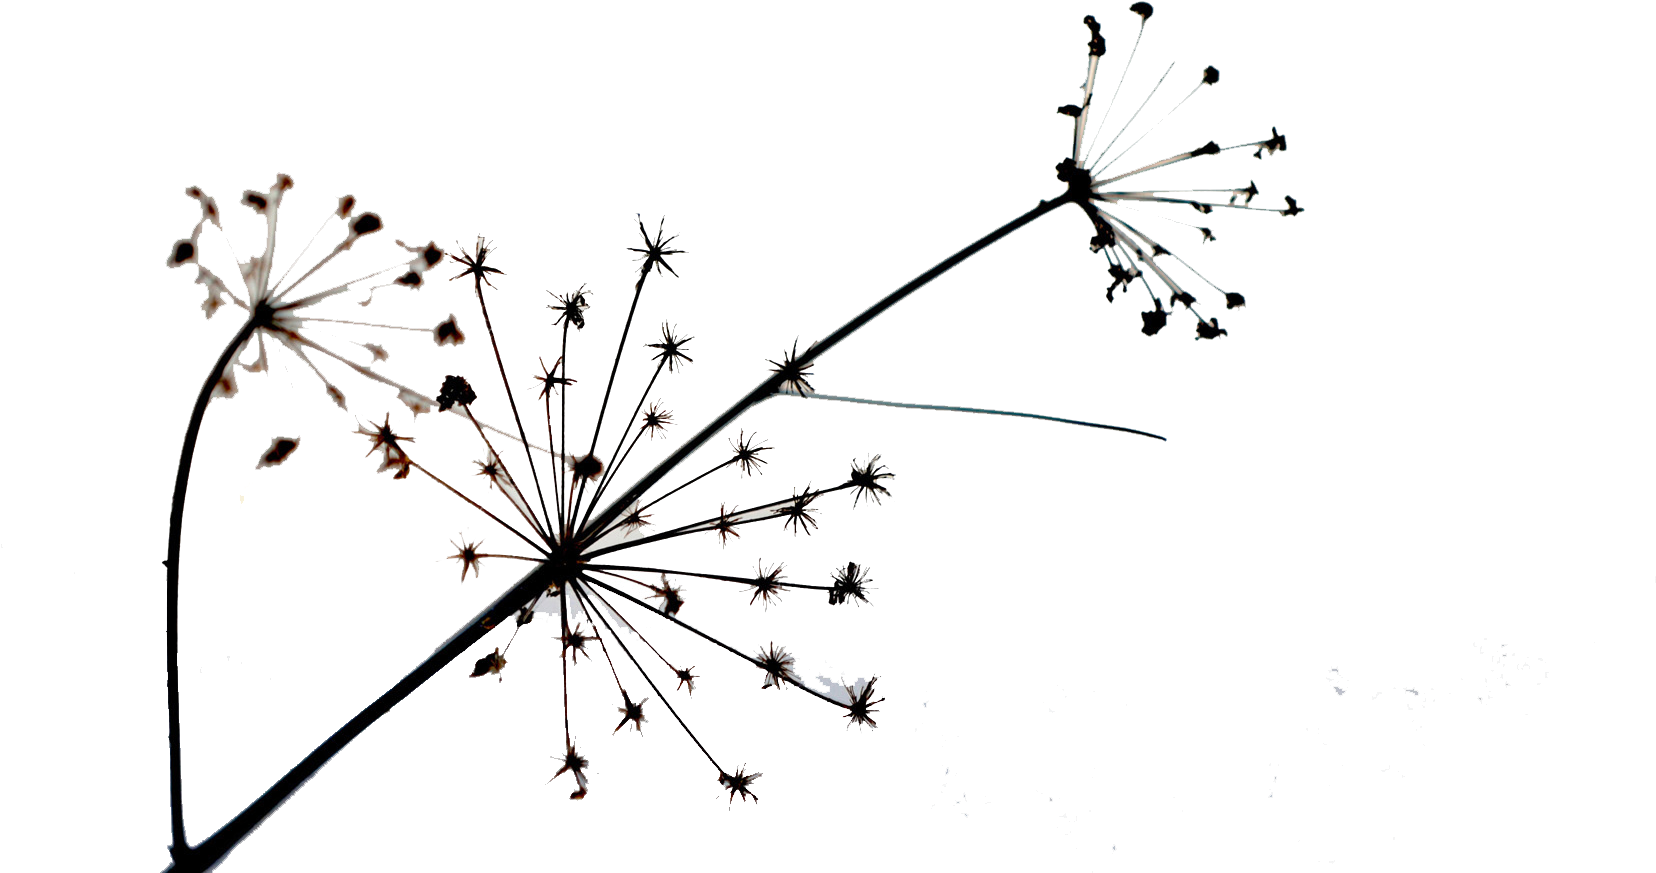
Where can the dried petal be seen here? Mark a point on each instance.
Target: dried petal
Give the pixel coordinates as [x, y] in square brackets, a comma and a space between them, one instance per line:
[279, 453]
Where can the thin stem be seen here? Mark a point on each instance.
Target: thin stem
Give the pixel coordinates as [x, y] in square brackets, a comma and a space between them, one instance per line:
[720, 466]
[175, 539]
[507, 386]
[750, 515]
[638, 291]
[607, 568]
[636, 411]
[477, 506]
[979, 411]
[520, 503]
[1134, 117]
[659, 696]
[630, 627]
[769, 386]
[1119, 82]
[568, 510]
[714, 640]
[304, 251]
[563, 621]
[609, 472]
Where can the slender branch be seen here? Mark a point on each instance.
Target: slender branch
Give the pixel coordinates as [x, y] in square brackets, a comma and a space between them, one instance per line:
[979, 411]
[638, 291]
[769, 385]
[506, 385]
[720, 466]
[563, 656]
[521, 503]
[630, 627]
[636, 411]
[640, 668]
[714, 640]
[477, 506]
[567, 512]
[175, 540]
[608, 568]
[750, 515]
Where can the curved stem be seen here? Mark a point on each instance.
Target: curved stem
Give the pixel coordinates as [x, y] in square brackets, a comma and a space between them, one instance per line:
[175, 539]
[211, 852]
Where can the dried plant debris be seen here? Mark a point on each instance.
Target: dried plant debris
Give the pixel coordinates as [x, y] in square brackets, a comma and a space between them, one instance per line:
[548, 478]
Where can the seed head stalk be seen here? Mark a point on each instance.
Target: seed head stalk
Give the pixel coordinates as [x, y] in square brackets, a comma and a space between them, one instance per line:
[477, 287]
[175, 538]
[768, 388]
[537, 581]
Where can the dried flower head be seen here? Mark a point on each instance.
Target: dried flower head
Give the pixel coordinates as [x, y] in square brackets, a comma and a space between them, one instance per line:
[389, 444]
[656, 420]
[448, 333]
[455, 391]
[655, 251]
[630, 711]
[778, 666]
[794, 371]
[767, 584]
[796, 513]
[687, 681]
[738, 784]
[571, 308]
[862, 707]
[550, 381]
[849, 584]
[671, 599]
[490, 469]
[574, 764]
[586, 467]
[280, 449]
[747, 454]
[671, 349]
[490, 665]
[468, 556]
[574, 643]
[474, 264]
[724, 527]
[866, 480]
[635, 518]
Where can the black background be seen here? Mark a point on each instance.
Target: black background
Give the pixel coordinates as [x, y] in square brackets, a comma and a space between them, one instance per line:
[1110, 643]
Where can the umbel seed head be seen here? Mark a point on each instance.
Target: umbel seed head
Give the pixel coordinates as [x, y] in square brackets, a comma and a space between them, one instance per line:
[456, 391]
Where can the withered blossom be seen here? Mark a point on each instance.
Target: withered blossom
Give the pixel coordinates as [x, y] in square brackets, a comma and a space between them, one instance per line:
[747, 454]
[490, 665]
[656, 420]
[738, 783]
[474, 264]
[850, 583]
[794, 370]
[468, 557]
[655, 251]
[725, 525]
[280, 449]
[390, 446]
[778, 666]
[671, 349]
[571, 308]
[767, 584]
[862, 707]
[630, 711]
[797, 512]
[866, 480]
